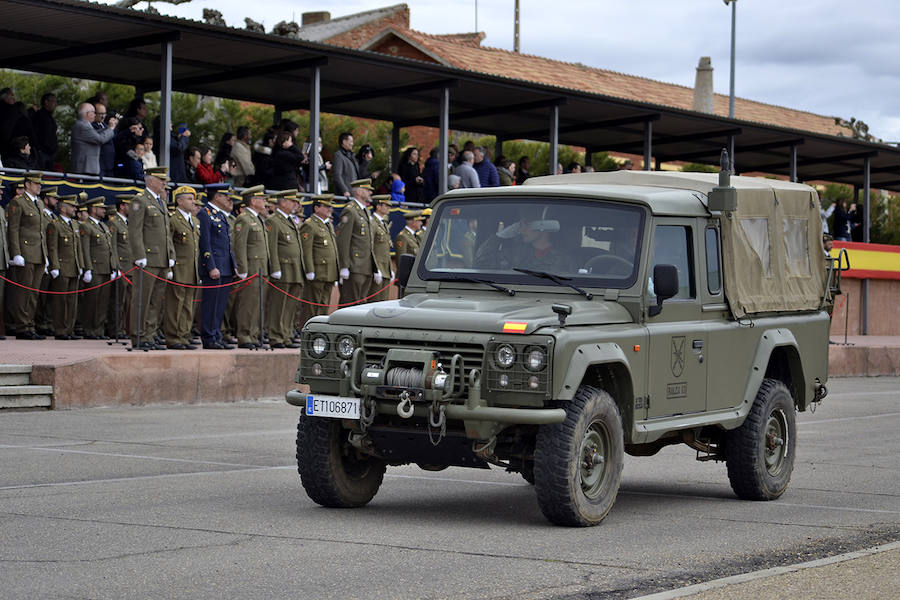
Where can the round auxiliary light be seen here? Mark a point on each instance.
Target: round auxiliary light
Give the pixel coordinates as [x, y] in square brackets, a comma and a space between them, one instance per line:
[345, 346]
[318, 345]
[506, 356]
[535, 358]
[503, 380]
[317, 369]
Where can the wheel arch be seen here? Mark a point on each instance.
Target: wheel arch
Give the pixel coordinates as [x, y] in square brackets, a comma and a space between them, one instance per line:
[777, 357]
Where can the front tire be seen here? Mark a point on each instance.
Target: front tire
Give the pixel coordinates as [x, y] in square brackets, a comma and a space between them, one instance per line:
[760, 453]
[578, 463]
[332, 471]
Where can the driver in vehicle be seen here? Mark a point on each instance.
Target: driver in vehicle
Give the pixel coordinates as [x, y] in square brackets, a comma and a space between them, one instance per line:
[529, 242]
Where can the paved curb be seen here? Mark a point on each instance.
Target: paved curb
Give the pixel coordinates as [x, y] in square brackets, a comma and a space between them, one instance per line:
[765, 573]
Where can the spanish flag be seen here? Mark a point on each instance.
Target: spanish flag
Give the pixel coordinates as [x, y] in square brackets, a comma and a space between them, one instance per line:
[515, 326]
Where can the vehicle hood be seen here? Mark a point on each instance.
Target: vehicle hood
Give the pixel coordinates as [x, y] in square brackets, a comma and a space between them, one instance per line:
[504, 315]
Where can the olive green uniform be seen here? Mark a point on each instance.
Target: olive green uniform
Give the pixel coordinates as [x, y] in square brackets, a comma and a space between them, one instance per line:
[119, 228]
[381, 249]
[98, 250]
[179, 306]
[354, 239]
[320, 256]
[406, 242]
[251, 253]
[28, 239]
[148, 232]
[4, 262]
[285, 255]
[43, 317]
[65, 255]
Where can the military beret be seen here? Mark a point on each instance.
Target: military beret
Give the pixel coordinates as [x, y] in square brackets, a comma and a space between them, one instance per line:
[256, 190]
[381, 199]
[365, 184]
[33, 177]
[158, 172]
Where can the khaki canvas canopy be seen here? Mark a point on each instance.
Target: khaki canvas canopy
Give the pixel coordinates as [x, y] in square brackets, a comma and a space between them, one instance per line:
[771, 245]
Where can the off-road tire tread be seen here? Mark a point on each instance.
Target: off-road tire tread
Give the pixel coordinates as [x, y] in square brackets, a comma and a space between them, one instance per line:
[742, 446]
[552, 477]
[317, 468]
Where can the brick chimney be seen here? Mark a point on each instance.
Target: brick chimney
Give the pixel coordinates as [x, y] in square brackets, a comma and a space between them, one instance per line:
[703, 86]
[310, 18]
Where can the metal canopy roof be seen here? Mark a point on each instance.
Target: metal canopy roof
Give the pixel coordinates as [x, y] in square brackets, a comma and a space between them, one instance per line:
[80, 39]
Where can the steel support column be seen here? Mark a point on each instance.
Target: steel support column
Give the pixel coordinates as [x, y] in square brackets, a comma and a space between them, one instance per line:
[276, 116]
[315, 91]
[588, 157]
[648, 144]
[395, 149]
[165, 104]
[554, 139]
[444, 140]
[498, 148]
[794, 175]
[867, 181]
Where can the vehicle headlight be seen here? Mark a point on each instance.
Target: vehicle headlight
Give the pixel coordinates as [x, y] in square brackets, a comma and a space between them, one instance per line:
[535, 358]
[506, 356]
[345, 346]
[318, 345]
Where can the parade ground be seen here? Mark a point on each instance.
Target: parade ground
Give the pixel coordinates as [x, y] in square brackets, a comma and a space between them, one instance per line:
[204, 501]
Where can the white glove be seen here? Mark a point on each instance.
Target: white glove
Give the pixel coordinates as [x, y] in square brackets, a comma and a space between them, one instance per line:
[46, 271]
[17, 261]
[88, 276]
[54, 273]
[335, 284]
[378, 278]
[113, 275]
[169, 275]
[393, 275]
[310, 276]
[46, 264]
[276, 275]
[80, 272]
[171, 262]
[141, 262]
[345, 274]
[242, 276]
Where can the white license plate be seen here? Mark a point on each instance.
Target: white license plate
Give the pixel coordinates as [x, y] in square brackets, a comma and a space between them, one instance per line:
[336, 407]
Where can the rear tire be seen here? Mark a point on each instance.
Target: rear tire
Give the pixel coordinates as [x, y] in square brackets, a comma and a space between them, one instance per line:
[578, 463]
[760, 453]
[332, 471]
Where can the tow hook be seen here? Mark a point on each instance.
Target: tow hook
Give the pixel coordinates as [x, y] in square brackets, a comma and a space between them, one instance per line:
[405, 407]
[820, 392]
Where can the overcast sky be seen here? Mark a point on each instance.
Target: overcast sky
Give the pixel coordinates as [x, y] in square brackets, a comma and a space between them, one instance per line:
[831, 57]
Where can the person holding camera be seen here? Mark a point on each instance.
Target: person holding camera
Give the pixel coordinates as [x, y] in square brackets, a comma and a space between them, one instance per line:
[86, 141]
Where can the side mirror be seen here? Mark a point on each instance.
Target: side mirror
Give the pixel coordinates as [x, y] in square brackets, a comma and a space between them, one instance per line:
[404, 268]
[665, 286]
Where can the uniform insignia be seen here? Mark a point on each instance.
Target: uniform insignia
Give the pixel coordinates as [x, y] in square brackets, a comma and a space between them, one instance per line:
[344, 219]
[237, 226]
[324, 242]
[305, 235]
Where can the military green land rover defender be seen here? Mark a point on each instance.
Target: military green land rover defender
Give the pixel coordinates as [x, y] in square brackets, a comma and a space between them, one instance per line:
[550, 328]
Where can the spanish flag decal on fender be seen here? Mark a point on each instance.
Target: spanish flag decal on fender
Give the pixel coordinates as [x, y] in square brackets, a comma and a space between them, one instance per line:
[515, 326]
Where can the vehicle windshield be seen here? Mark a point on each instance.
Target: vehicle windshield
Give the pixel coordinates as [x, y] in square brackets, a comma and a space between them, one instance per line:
[585, 243]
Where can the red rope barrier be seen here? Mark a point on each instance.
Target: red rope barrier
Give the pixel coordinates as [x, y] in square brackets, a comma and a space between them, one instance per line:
[30, 289]
[204, 287]
[390, 283]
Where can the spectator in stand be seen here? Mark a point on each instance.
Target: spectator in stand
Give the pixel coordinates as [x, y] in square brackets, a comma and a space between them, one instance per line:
[108, 149]
[469, 146]
[487, 172]
[522, 170]
[468, 176]
[825, 213]
[843, 220]
[242, 156]
[20, 155]
[127, 136]
[628, 165]
[345, 169]
[149, 159]
[45, 141]
[86, 141]
[8, 118]
[225, 146]
[411, 174]
[133, 166]
[206, 171]
[857, 232]
[192, 163]
[574, 167]
[507, 172]
[453, 182]
[137, 110]
[286, 161]
[363, 161]
[559, 169]
[431, 174]
[398, 189]
[324, 167]
[262, 158]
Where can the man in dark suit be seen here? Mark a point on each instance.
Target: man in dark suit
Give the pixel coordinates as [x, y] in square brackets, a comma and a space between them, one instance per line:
[217, 264]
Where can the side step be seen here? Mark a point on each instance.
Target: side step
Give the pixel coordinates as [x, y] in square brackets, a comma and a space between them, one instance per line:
[16, 391]
[15, 374]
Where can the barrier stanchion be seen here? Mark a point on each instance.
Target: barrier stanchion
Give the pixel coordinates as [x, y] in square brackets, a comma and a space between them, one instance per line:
[118, 312]
[262, 320]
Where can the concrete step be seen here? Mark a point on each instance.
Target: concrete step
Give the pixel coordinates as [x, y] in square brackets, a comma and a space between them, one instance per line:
[15, 375]
[26, 396]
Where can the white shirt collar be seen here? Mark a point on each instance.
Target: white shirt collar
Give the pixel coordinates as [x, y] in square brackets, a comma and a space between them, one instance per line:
[65, 219]
[33, 198]
[283, 214]
[123, 217]
[321, 219]
[185, 214]
[252, 212]
[152, 193]
[361, 205]
[406, 227]
[94, 219]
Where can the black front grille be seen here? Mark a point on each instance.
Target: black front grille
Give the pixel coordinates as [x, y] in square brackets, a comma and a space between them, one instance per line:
[472, 354]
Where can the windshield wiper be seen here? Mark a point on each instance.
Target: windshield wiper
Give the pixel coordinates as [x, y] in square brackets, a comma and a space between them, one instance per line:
[557, 279]
[505, 290]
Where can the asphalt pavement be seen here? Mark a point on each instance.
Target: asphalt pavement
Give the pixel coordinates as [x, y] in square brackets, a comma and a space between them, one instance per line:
[204, 501]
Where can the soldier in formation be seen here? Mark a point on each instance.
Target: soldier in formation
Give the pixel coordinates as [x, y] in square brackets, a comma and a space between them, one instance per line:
[381, 247]
[179, 303]
[286, 271]
[320, 257]
[27, 238]
[217, 264]
[66, 266]
[100, 265]
[251, 251]
[354, 238]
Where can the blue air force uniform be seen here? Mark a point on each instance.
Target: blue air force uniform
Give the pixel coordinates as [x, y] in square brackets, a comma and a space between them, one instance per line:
[215, 253]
